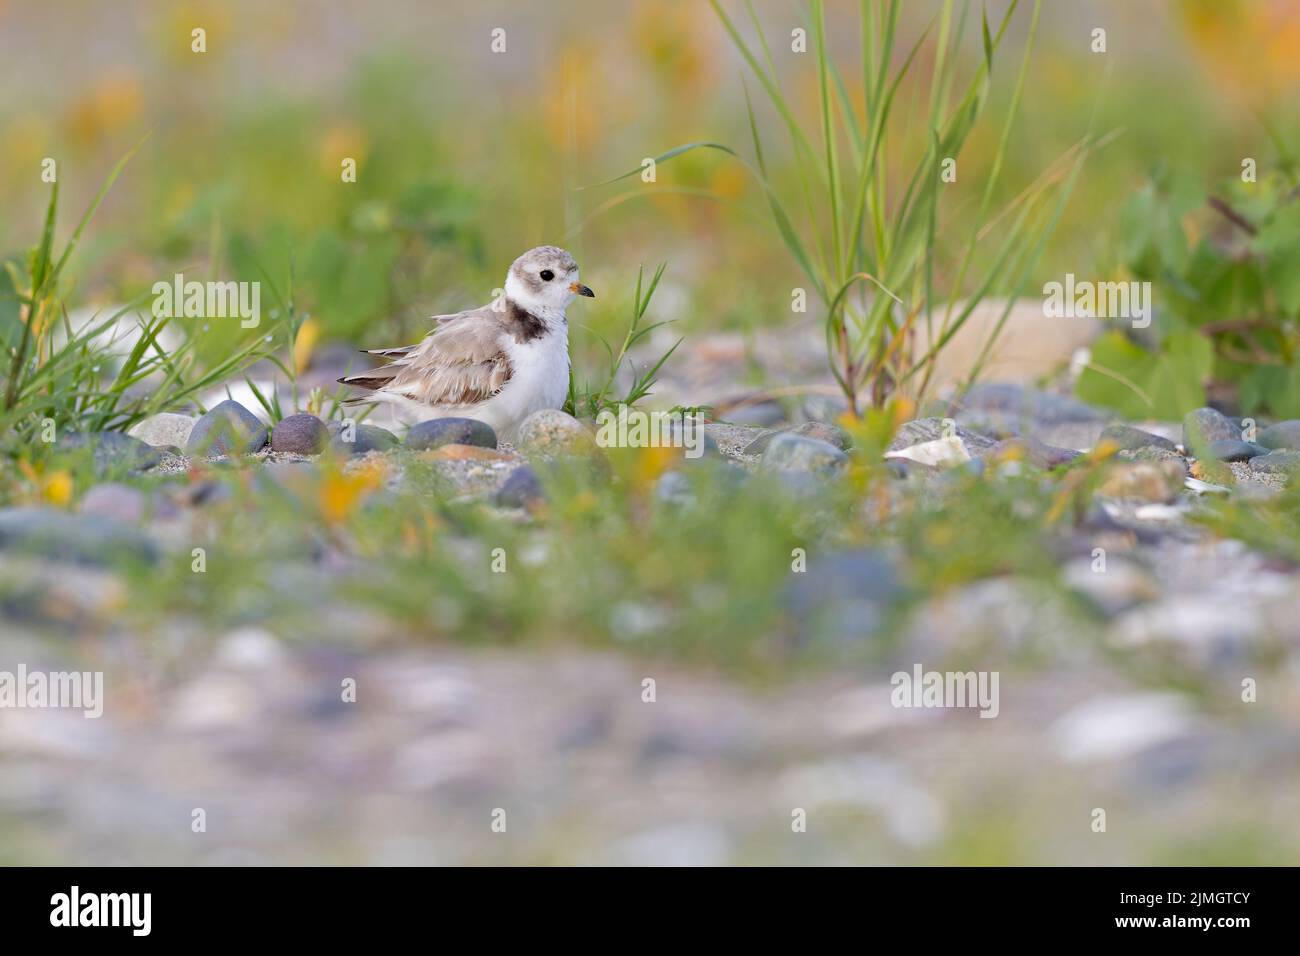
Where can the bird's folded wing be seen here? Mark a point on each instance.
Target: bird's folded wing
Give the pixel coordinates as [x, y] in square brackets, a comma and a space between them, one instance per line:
[461, 362]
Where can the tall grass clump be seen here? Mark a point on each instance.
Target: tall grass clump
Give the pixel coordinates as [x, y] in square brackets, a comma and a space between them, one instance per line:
[873, 245]
[588, 399]
[82, 377]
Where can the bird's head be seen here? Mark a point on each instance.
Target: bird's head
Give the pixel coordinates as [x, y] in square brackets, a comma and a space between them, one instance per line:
[544, 279]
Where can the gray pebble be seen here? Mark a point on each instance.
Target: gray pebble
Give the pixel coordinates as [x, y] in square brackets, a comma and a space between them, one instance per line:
[1281, 462]
[360, 439]
[451, 431]
[1206, 425]
[521, 489]
[77, 539]
[1231, 450]
[790, 452]
[113, 451]
[1284, 435]
[1129, 438]
[227, 429]
[300, 434]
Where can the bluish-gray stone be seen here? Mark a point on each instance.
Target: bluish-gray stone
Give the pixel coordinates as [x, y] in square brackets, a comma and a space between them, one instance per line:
[521, 489]
[112, 451]
[1227, 449]
[1284, 435]
[227, 429]
[844, 597]
[789, 452]
[1005, 410]
[1279, 462]
[364, 438]
[115, 500]
[450, 431]
[1129, 438]
[820, 430]
[674, 488]
[78, 539]
[1206, 425]
[764, 414]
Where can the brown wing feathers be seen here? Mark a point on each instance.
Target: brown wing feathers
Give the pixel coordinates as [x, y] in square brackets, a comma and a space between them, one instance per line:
[460, 363]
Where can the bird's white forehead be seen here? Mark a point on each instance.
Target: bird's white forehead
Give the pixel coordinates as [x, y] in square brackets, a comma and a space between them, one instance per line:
[547, 257]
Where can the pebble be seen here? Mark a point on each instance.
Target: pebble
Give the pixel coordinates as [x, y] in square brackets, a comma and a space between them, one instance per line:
[900, 468]
[115, 500]
[1230, 449]
[674, 488]
[923, 431]
[450, 431]
[707, 449]
[88, 539]
[1206, 629]
[1007, 410]
[1157, 454]
[821, 431]
[163, 429]
[300, 434]
[689, 843]
[1110, 728]
[521, 489]
[1036, 452]
[790, 452]
[1212, 471]
[763, 414]
[842, 596]
[250, 648]
[458, 452]
[1279, 462]
[112, 451]
[360, 439]
[823, 408]
[1117, 586]
[1128, 438]
[227, 429]
[1205, 425]
[551, 433]
[1284, 435]
[58, 593]
[1143, 481]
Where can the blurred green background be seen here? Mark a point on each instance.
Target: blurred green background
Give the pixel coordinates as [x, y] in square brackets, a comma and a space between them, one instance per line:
[466, 157]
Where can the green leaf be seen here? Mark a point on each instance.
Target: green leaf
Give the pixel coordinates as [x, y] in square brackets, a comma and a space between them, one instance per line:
[1278, 241]
[1141, 384]
[1270, 389]
[1151, 235]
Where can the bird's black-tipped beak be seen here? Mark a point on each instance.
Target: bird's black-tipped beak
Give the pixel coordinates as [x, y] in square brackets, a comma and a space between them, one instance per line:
[579, 289]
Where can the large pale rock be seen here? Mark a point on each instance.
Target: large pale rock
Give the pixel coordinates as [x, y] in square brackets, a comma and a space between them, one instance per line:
[550, 433]
[163, 429]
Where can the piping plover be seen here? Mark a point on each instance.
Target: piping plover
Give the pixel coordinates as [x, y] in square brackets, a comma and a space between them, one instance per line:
[498, 363]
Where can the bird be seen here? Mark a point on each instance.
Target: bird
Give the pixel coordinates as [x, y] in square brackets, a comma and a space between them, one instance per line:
[498, 363]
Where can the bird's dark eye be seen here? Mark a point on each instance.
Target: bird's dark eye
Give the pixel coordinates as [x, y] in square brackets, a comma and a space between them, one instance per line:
[547, 275]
